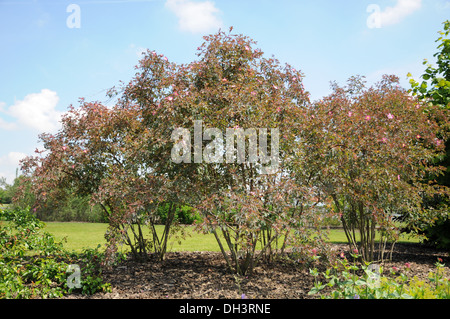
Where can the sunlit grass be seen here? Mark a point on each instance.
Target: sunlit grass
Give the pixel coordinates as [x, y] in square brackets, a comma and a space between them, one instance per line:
[338, 236]
[77, 236]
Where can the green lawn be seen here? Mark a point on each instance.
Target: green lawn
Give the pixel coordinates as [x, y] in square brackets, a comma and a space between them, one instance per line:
[338, 236]
[89, 235]
[78, 235]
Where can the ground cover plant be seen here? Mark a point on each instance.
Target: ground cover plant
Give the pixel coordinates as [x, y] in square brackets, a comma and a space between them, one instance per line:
[351, 280]
[204, 275]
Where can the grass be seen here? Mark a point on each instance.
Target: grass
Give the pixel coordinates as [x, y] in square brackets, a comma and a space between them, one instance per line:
[77, 236]
[338, 236]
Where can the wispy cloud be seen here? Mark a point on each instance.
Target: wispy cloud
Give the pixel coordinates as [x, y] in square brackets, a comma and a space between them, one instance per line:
[12, 158]
[10, 162]
[139, 51]
[36, 111]
[195, 17]
[395, 14]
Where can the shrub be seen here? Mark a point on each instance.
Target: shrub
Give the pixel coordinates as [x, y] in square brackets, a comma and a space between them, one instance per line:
[434, 89]
[369, 149]
[34, 265]
[438, 234]
[123, 156]
[91, 262]
[183, 214]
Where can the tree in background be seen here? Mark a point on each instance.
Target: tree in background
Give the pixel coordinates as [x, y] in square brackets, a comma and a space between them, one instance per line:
[5, 196]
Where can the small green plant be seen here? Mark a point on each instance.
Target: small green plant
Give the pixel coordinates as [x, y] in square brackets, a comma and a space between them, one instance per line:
[34, 265]
[438, 286]
[348, 280]
[28, 267]
[91, 280]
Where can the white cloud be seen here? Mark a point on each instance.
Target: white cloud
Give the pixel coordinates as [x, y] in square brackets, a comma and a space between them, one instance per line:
[395, 14]
[10, 162]
[12, 158]
[36, 111]
[3, 124]
[195, 16]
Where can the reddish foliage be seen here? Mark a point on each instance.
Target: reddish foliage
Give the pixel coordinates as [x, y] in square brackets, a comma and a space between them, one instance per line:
[366, 150]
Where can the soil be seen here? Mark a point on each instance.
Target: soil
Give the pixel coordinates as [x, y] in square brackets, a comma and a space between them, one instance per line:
[204, 275]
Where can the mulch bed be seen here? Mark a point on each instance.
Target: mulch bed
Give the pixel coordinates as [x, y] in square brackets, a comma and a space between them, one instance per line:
[203, 275]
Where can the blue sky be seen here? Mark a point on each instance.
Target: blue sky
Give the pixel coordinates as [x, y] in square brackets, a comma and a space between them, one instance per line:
[54, 52]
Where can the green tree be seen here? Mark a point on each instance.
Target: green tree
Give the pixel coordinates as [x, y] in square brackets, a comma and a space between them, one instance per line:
[435, 86]
[434, 89]
[5, 192]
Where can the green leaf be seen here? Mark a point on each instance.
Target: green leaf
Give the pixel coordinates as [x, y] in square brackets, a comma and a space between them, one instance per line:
[314, 291]
[378, 294]
[413, 83]
[360, 282]
[394, 295]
